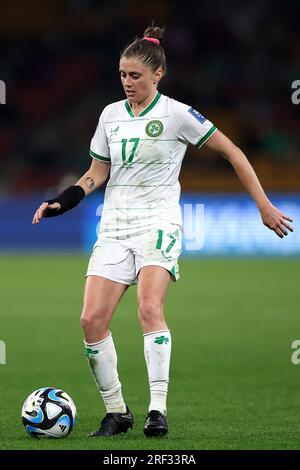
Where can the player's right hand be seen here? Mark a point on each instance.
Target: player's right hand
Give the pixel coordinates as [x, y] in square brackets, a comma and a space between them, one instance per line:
[40, 213]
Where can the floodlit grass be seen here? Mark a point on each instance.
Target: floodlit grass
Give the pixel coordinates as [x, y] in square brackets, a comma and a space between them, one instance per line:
[233, 385]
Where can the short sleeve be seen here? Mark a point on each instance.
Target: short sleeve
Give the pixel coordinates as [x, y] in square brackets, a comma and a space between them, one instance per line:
[191, 126]
[99, 146]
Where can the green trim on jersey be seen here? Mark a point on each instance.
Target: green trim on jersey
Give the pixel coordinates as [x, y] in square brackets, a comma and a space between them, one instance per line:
[99, 157]
[206, 137]
[127, 106]
[149, 107]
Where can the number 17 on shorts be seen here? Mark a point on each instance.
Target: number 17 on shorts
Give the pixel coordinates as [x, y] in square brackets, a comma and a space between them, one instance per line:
[166, 248]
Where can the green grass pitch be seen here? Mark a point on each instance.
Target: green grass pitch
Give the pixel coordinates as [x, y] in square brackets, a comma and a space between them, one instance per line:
[233, 385]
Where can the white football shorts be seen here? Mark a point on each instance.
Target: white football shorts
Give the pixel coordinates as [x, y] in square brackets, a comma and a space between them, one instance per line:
[121, 259]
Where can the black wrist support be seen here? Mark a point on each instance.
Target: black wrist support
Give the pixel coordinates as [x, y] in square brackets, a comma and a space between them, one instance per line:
[68, 199]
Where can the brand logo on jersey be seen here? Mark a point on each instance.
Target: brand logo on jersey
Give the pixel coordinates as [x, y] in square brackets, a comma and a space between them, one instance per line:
[197, 115]
[154, 128]
[114, 131]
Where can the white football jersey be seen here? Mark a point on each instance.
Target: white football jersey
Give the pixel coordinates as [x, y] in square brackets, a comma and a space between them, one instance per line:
[145, 154]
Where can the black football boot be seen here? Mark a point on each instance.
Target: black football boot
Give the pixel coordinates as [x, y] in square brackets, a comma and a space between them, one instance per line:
[156, 424]
[114, 423]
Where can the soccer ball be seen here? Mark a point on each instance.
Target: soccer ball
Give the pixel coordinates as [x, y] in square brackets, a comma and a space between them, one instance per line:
[49, 412]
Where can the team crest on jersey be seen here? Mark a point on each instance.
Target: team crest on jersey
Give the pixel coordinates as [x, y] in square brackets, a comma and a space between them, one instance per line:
[197, 115]
[154, 128]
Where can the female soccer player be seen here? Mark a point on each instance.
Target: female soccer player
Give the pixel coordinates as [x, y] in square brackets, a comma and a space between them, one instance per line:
[141, 142]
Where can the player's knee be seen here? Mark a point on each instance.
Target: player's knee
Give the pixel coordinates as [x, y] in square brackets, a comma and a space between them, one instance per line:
[86, 322]
[91, 321]
[149, 310]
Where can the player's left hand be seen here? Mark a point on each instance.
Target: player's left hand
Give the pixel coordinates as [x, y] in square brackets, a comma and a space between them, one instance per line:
[275, 220]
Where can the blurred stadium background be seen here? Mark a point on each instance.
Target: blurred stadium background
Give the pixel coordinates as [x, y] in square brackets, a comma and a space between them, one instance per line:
[235, 63]
[59, 60]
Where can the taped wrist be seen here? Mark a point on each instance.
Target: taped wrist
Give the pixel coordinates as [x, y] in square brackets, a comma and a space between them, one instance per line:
[68, 199]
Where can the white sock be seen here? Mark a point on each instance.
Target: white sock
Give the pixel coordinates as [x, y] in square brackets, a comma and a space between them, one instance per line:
[102, 358]
[157, 349]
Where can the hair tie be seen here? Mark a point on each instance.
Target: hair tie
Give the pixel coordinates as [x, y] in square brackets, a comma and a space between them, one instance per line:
[156, 41]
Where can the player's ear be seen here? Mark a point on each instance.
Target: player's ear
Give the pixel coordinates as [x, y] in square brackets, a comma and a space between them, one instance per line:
[157, 75]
